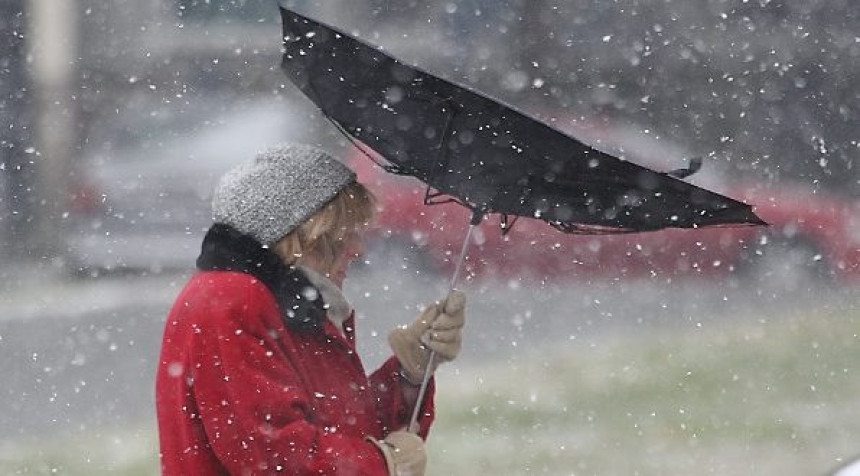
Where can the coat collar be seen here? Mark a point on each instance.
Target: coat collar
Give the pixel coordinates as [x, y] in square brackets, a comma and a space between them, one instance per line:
[337, 307]
[300, 302]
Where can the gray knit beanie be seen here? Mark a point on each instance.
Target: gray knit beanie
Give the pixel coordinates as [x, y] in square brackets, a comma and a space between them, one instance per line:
[276, 192]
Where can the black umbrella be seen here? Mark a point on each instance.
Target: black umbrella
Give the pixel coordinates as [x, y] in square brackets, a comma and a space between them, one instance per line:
[487, 155]
[484, 154]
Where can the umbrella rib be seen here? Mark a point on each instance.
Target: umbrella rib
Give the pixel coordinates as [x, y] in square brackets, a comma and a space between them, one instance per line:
[390, 168]
[430, 196]
[507, 224]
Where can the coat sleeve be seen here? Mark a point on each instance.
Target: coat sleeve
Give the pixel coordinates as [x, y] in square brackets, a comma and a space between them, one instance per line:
[393, 411]
[257, 416]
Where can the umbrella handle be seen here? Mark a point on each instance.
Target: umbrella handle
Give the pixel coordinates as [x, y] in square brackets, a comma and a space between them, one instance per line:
[477, 216]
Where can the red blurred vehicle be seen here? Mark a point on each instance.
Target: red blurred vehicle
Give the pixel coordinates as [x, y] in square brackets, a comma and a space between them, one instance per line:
[812, 237]
[143, 204]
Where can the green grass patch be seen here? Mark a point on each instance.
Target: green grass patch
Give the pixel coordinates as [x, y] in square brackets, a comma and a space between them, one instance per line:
[777, 396]
[131, 451]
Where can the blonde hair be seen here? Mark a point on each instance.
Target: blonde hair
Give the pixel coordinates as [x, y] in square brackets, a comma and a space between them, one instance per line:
[322, 235]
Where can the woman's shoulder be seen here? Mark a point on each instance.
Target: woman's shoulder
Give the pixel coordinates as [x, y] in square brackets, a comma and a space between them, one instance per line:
[223, 291]
[215, 306]
[224, 281]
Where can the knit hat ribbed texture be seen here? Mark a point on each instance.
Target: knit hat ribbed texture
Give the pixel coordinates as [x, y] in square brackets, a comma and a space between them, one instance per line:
[277, 191]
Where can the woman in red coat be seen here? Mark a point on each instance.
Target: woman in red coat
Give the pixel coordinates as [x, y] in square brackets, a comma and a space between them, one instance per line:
[258, 371]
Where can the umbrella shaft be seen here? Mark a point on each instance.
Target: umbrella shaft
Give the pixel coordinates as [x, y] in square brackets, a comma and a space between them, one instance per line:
[461, 259]
[428, 370]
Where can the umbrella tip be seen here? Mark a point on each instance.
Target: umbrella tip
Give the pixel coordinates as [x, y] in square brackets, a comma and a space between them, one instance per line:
[754, 220]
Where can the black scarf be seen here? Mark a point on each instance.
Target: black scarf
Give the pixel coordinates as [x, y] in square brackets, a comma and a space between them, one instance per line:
[227, 249]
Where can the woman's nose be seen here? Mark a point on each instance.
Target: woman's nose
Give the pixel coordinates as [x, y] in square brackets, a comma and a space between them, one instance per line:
[358, 250]
[355, 249]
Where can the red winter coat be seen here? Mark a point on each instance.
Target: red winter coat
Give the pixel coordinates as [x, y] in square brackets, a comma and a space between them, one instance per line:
[238, 392]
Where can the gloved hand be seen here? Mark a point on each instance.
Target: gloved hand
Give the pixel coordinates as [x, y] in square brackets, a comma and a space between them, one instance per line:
[403, 452]
[438, 328]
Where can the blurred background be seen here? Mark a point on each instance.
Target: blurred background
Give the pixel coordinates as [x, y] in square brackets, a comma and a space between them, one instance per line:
[728, 351]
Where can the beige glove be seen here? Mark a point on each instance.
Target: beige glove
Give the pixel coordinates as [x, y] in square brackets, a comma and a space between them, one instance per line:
[403, 452]
[439, 328]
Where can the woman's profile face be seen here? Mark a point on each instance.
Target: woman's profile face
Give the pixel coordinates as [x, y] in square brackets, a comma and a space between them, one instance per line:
[352, 249]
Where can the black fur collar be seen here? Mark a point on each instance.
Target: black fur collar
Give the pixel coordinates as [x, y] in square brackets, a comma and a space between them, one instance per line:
[227, 249]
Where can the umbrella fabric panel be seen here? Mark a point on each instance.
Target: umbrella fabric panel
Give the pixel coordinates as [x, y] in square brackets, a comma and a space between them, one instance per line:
[488, 155]
[333, 70]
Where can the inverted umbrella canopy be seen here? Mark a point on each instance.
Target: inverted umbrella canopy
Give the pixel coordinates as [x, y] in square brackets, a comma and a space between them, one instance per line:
[485, 154]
